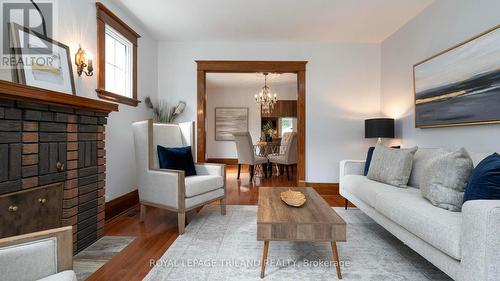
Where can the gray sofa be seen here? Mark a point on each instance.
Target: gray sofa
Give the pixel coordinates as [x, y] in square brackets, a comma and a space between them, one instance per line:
[465, 245]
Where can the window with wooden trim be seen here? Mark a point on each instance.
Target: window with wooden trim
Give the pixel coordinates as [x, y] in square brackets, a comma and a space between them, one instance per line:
[116, 58]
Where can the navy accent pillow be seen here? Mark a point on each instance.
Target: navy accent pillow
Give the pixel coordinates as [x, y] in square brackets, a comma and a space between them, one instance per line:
[177, 158]
[369, 156]
[484, 183]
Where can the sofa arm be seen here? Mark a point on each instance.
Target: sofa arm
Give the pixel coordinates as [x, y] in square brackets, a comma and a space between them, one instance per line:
[210, 169]
[480, 240]
[351, 167]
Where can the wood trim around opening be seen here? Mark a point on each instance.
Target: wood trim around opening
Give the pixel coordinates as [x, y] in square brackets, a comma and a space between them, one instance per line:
[227, 66]
[106, 17]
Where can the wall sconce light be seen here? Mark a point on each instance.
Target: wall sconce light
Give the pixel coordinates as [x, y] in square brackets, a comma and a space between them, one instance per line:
[83, 63]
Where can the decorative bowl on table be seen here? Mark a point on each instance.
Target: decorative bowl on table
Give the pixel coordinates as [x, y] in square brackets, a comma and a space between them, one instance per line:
[293, 198]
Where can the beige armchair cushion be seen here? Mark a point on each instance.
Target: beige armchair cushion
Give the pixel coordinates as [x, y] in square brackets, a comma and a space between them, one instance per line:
[197, 185]
[166, 135]
[203, 198]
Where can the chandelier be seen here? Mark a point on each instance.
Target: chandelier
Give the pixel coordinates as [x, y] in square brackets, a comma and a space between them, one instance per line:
[265, 99]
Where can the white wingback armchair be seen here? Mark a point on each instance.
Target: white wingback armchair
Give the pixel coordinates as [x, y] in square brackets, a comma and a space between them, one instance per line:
[170, 189]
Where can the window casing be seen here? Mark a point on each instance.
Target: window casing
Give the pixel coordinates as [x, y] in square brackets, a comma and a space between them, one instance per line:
[116, 58]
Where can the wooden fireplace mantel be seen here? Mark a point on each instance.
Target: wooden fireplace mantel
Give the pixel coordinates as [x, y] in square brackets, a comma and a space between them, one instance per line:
[17, 91]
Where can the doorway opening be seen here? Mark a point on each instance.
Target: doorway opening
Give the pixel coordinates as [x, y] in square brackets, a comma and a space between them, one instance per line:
[295, 67]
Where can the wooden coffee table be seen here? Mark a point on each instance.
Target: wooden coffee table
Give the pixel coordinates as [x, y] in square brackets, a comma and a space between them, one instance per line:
[313, 221]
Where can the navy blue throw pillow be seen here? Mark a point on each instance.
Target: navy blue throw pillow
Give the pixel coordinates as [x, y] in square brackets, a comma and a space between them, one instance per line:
[177, 158]
[369, 156]
[484, 183]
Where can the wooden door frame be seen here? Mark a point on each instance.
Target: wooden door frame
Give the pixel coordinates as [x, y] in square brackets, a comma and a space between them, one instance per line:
[229, 66]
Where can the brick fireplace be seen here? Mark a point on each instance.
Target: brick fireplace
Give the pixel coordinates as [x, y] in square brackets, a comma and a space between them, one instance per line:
[54, 138]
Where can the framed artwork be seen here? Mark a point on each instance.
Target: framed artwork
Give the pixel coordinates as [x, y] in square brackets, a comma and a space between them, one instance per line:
[229, 120]
[461, 85]
[42, 61]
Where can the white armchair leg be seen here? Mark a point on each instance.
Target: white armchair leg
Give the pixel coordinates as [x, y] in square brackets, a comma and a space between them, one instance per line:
[181, 221]
[223, 206]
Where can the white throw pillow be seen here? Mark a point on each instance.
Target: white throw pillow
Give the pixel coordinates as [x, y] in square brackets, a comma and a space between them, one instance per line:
[391, 165]
[445, 178]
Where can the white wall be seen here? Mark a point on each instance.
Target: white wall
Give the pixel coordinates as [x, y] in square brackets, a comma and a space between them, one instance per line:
[238, 96]
[77, 25]
[342, 89]
[230, 97]
[442, 25]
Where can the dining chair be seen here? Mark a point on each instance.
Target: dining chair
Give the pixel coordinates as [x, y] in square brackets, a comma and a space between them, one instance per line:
[286, 156]
[247, 155]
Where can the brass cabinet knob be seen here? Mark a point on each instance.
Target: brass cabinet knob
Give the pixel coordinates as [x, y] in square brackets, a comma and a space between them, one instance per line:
[59, 166]
[42, 200]
[13, 208]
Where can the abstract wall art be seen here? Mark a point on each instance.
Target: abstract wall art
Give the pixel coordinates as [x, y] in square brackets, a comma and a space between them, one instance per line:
[461, 85]
[229, 120]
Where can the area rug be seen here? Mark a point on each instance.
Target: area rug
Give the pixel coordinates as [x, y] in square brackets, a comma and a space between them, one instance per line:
[96, 255]
[216, 247]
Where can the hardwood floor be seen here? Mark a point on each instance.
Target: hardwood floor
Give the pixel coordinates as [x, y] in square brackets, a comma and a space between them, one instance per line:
[159, 230]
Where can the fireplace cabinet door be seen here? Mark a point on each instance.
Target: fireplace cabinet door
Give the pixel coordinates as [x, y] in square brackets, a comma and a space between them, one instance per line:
[31, 210]
[52, 162]
[42, 208]
[10, 215]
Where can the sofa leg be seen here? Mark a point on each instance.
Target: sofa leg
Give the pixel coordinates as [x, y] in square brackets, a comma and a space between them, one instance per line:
[346, 201]
[143, 213]
[181, 221]
[239, 170]
[223, 206]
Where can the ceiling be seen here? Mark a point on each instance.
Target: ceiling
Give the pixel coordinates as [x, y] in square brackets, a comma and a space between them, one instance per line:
[219, 80]
[274, 20]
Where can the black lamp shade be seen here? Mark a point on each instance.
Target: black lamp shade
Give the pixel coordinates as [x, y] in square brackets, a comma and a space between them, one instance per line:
[379, 128]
